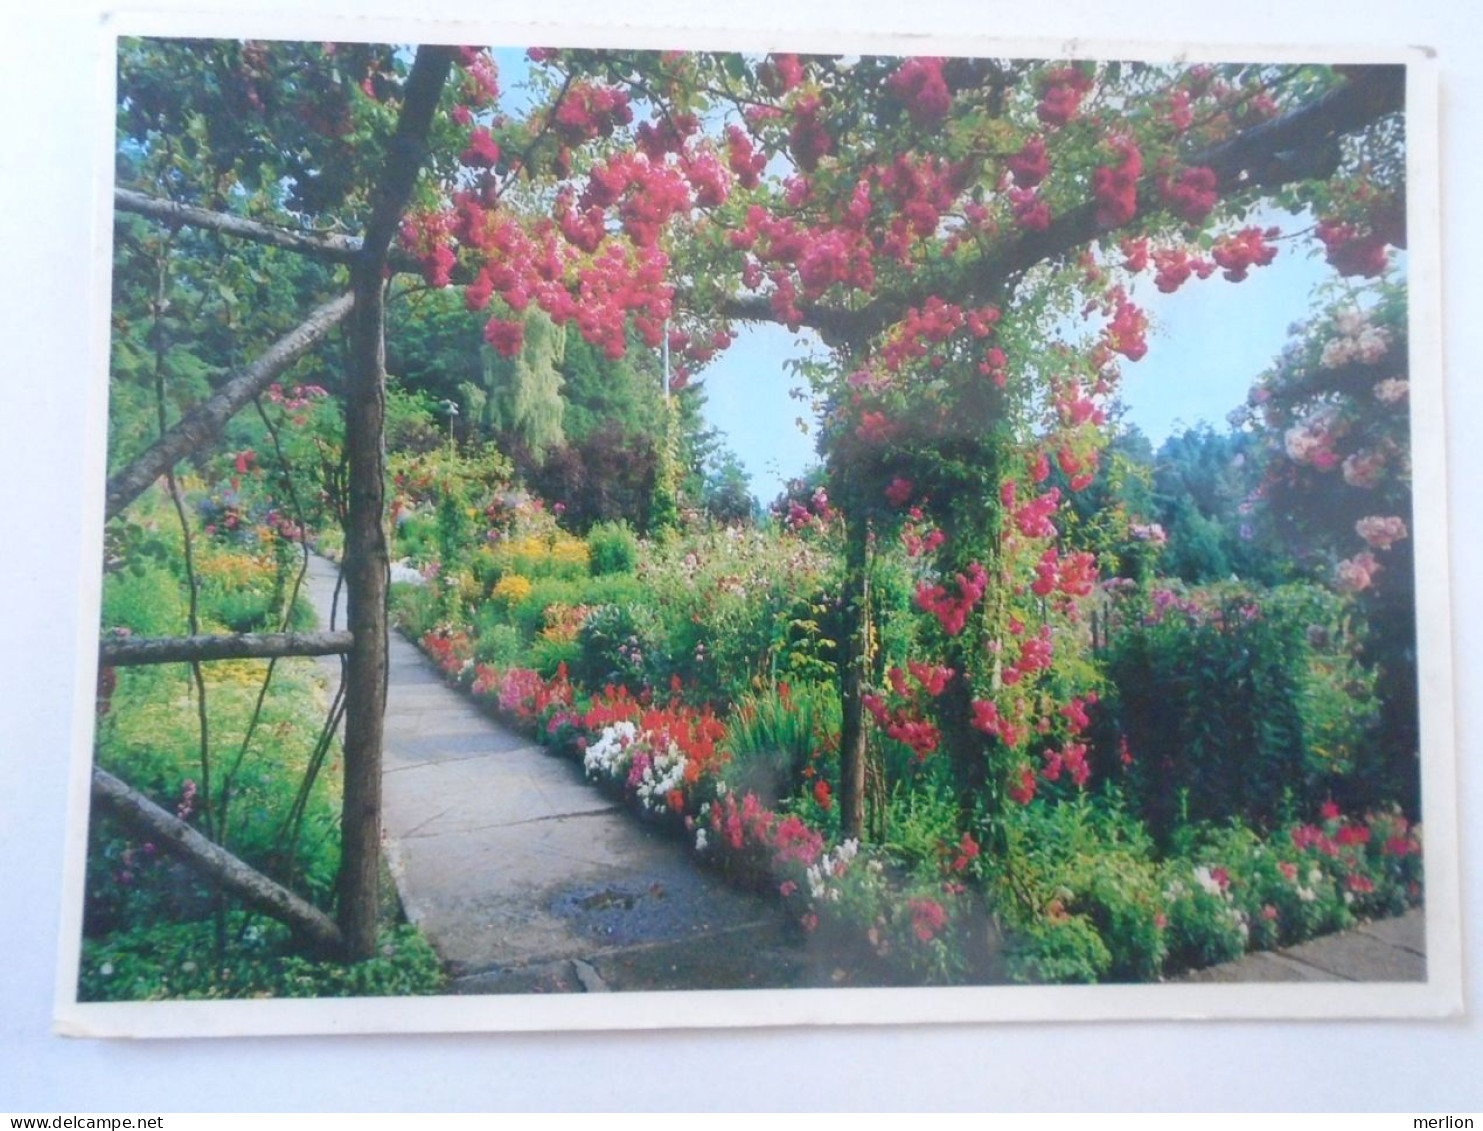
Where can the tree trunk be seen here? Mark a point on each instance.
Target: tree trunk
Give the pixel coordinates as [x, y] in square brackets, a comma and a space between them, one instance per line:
[854, 659]
[214, 862]
[367, 569]
[367, 565]
[129, 651]
[205, 421]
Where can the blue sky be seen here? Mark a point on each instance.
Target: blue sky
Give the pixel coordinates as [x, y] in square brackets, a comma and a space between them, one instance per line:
[1208, 341]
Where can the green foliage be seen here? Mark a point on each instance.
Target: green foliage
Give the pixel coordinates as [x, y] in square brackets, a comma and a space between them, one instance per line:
[529, 615]
[613, 548]
[411, 420]
[434, 347]
[413, 607]
[621, 644]
[727, 494]
[417, 537]
[179, 962]
[921, 817]
[1063, 949]
[1204, 927]
[1086, 861]
[146, 599]
[736, 605]
[1236, 703]
[602, 395]
[521, 396]
[257, 612]
[777, 733]
[614, 589]
[547, 656]
[150, 739]
[498, 643]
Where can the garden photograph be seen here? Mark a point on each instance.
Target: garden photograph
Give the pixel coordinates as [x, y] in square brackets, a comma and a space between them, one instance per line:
[592, 520]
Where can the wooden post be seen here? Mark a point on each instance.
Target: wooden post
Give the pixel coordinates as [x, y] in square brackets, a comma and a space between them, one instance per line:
[367, 565]
[366, 577]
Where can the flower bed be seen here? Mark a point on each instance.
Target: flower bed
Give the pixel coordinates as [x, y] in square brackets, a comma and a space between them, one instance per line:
[1087, 901]
[665, 758]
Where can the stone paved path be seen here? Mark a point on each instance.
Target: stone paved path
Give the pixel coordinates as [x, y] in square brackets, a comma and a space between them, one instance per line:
[526, 879]
[1390, 950]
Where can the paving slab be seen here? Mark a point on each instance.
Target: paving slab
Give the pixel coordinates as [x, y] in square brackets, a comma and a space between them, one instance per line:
[1360, 957]
[1406, 931]
[1264, 966]
[1385, 950]
[516, 868]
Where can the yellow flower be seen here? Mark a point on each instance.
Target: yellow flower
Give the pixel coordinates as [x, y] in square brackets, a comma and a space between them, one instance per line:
[512, 589]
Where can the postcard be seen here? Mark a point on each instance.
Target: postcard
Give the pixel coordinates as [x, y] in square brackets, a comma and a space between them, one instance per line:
[676, 529]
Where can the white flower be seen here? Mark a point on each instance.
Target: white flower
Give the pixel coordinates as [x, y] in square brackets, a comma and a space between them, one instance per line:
[106, 969]
[1372, 343]
[1207, 881]
[663, 773]
[610, 756]
[700, 840]
[1392, 389]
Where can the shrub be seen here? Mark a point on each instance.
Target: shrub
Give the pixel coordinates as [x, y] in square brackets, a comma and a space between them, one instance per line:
[529, 613]
[147, 600]
[553, 553]
[613, 547]
[417, 537]
[248, 611]
[725, 599]
[621, 644]
[614, 589]
[921, 816]
[1063, 949]
[1204, 925]
[1087, 860]
[1234, 703]
[497, 643]
[413, 607]
[511, 589]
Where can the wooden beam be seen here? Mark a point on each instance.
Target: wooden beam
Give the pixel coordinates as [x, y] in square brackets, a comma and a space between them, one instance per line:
[168, 832]
[205, 421]
[130, 651]
[328, 247]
